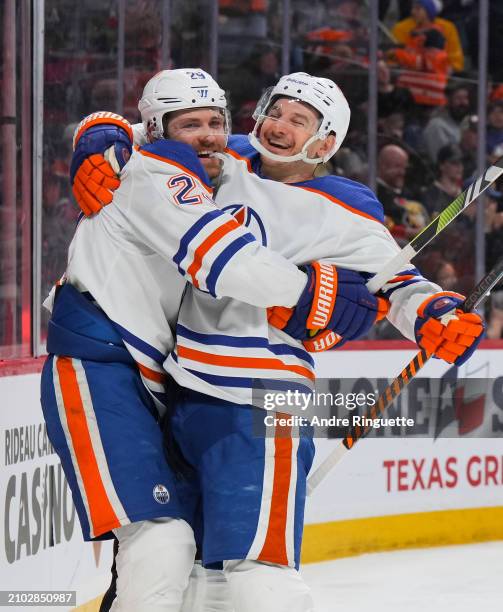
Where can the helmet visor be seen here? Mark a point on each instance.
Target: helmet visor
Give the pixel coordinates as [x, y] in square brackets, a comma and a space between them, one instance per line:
[197, 123]
[287, 127]
[288, 111]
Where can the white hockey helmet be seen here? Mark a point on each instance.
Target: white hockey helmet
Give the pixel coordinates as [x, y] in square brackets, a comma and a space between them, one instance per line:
[180, 89]
[320, 93]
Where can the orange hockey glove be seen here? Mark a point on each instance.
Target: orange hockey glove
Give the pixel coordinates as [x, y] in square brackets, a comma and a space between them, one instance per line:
[102, 146]
[445, 331]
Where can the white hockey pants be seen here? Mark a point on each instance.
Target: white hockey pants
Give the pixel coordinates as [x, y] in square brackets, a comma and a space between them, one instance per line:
[154, 562]
[264, 587]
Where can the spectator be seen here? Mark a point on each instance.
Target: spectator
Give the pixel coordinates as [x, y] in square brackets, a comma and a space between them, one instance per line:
[392, 125]
[468, 144]
[446, 275]
[343, 24]
[424, 59]
[449, 182]
[424, 16]
[397, 119]
[496, 93]
[392, 165]
[495, 66]
[339, 48]
[493, 251]
[494, 226]
[494, 125]
[249, 80]
[350, 161]
[403, 7]
[391, 99]
[495, 325]
[404, 216]
[464, 15]
[444, 127]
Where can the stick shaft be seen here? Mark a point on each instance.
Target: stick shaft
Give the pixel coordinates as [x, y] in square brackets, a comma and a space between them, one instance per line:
[356, 432]
[475, 297]
[436, 226]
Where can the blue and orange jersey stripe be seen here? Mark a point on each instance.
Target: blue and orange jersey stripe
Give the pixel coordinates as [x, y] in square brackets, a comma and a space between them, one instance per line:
[231, 361]
[206, 245]
[100, 508]
[274, 548]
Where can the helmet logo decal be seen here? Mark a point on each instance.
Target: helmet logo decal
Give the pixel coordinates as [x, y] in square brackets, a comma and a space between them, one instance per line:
[178, 89]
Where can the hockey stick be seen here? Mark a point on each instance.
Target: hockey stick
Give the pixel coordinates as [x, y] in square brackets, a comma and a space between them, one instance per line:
[476, 296]
[434, 228]
[393, 266]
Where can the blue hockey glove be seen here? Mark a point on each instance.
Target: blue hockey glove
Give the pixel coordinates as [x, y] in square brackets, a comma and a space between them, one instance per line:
[102, 145]
[334, 307]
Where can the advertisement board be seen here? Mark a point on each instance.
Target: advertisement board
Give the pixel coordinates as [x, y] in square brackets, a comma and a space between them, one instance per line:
[42, 546]
[396, 488]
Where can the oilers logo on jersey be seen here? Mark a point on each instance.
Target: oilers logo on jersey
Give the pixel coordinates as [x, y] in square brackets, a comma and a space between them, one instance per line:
[161, 494]
[248, 217]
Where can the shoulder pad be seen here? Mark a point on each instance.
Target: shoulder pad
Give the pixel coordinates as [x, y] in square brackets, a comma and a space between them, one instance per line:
[353, 196]
[178, 154]
[240, 144]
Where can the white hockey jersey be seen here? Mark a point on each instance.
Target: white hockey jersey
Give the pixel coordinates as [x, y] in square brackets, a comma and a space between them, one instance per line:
[161, 229]
[222, 346]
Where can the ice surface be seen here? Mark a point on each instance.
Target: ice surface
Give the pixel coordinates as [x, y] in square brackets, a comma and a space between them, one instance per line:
[449, 579]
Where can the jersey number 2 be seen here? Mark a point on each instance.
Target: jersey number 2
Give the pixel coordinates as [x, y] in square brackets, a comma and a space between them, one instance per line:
[182, 187]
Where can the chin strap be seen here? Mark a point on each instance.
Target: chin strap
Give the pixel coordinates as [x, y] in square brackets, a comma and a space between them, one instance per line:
[287, 159]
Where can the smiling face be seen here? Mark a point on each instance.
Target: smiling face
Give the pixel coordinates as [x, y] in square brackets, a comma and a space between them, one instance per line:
[288, 126]
[204, 129]
[392, 166]
[284, 131]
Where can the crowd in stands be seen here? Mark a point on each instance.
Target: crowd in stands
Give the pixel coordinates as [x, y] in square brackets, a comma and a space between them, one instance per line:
[427, 86]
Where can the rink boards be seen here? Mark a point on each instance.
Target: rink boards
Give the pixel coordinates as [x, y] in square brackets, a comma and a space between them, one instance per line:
[396, 492]
[389, 492]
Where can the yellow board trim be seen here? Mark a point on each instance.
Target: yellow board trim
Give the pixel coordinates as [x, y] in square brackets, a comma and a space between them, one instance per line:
[90, 606]
[325, 541]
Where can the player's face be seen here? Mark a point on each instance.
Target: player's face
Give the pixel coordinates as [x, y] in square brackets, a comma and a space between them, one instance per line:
[288, 126]
[203, 129]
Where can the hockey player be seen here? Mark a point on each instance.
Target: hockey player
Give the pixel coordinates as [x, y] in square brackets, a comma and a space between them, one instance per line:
[103, 384]
[253, 490]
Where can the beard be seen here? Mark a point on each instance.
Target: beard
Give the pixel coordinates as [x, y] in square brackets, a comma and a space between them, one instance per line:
[459, 112]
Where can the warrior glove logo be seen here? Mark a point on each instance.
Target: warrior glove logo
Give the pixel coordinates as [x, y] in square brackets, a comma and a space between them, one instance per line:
[324, 296]
[161, 494]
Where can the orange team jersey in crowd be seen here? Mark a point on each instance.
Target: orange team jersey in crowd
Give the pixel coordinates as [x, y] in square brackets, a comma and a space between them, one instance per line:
[427, 69]
[455, 56]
